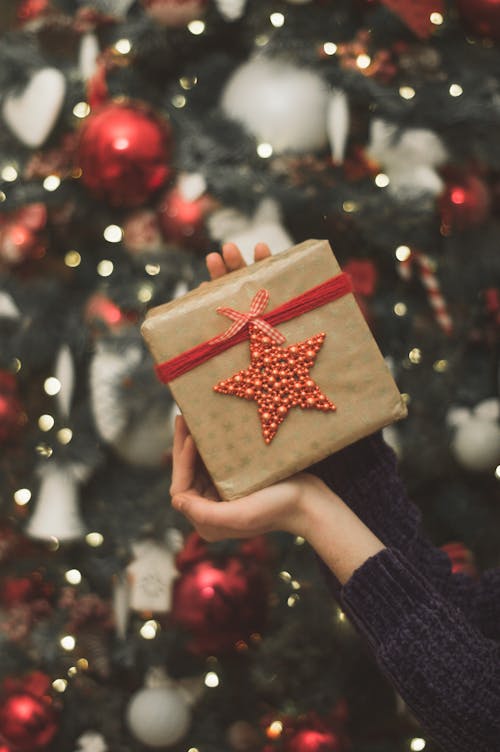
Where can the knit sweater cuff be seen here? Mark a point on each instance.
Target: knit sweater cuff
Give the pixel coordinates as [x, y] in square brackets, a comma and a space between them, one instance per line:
[385, 591]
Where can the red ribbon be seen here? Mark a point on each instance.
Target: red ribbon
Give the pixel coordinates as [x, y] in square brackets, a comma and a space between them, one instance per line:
[326, 292]
[257, 306]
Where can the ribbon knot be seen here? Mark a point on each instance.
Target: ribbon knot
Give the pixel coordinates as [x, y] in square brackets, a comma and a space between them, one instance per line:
[241, 319]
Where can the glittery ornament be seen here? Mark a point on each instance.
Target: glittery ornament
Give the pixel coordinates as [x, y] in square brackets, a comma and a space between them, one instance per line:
[278, 379]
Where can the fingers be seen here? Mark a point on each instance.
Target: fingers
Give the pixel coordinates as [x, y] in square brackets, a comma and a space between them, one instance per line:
[183, 458]
[232, 259]
[261, 251]
[218, 520]
[215, 265]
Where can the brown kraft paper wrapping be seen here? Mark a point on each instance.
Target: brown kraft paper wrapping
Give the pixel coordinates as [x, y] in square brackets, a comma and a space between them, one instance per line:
[349, 370]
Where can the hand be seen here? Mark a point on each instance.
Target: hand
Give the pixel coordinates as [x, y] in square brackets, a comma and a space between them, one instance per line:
[231, 259]
[282, 506]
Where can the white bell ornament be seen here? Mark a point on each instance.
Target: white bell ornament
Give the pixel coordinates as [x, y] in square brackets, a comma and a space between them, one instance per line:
[57, 513]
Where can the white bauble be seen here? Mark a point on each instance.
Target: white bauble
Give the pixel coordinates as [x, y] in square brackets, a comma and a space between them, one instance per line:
[158, 716]
[476, 444]
[32, 114]
[279, 103]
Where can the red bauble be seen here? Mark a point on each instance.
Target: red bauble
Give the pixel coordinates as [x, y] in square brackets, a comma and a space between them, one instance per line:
[481, 17]
[182, 221]
[464, 203]
[220, 604]
[175, 12]
[27, 723]
[312, 740]
[123, 153]
[12, 415]
[102, 313]
[461, 558]
[21, 234]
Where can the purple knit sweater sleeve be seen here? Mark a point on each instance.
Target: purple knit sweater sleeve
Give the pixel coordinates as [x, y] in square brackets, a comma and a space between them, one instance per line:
[434, 634]
[366, 477]
[446, 671]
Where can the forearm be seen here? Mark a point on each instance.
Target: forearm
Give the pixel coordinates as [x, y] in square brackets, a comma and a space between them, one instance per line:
[337, 535]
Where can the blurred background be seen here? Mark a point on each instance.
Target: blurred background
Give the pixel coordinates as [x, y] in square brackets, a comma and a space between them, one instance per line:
[136, 136]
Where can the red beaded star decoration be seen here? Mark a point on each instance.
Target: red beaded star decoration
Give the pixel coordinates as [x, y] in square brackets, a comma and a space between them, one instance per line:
[278, 379]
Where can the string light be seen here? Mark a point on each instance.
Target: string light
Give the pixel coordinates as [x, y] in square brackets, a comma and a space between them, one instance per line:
[3, 196]
[277, 19]
[415, 355]
[382, 180]
[295, 584]
[16, 365]
[211, 679]
[188, 82]
[81, 109]
[341, 615]
[82, 664]
[363, 61]
[261, 40]
[152, 269]
[400, 309]
[403, 253]
[417, 744]
[67, 642]
[51, 183]
[299, 540]
[9, 173]
[440, 365]
[45, 422]
[329, 48]
[113, 233]
[94, 539]
[292, 600]
[455, 90]
[149, 629]
[73, 576]
[145, 293]
[285, 576]
[196, 27]
[179, 101]
[406, 92]
[72, 671]
[52, 386]
[497, 472]
[53, 543]
[264, 150]
[437, 18]
[349, 207]
[22, 496]
[123, 46]
[44, 450]
[274, 729]
[105, 268]
[72, 259]
[59, 685]
[64, 435]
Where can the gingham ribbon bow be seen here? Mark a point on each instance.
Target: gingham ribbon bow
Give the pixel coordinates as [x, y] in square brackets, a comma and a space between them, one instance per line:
[241, 319]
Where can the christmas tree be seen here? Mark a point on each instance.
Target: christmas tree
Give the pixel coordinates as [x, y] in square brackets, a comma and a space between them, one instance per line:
[138, 135]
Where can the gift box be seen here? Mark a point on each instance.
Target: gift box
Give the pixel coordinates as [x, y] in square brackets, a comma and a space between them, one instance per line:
[273, 367]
